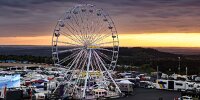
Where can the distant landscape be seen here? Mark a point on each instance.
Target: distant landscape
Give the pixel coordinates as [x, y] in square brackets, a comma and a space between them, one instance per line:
[165, 58]
[180, 50]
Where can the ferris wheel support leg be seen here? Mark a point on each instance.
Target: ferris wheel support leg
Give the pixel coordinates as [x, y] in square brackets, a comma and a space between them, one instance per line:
[87, 74]
[109, 75]
[100, 70]
[112, 79]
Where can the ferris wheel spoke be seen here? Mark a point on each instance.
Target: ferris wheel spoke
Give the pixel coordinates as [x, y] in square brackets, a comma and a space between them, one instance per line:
[84, 29]
[99, 58]
[86, 24]
[94, 35]
[74, 27]
[70, 63]
[97, 32]
[101, 38]
[104, 49]
[104, 55]
[75, 35]
[74, 61]
[96, 63]
[76, 19]
[110, 76]
[100, 23]
[82, 26]
[87, 72]
[68, 57]
[78, 24]
[102, 43]
[67, 43]
[77, 62]
[74, 13]
[99, 67]
[90, 23]
[92, 66]
[71, 38]
[100, 33]
[79, 76]
[74, 64]
[97, 24]
[101, 29]
[65, 51]
[83, 61]
[101, 26]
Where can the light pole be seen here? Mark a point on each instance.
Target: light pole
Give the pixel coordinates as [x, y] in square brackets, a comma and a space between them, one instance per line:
[186, 71]
[179, 65]
[157, 71]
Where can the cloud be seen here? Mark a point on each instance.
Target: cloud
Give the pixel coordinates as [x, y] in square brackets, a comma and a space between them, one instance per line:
[38, 17]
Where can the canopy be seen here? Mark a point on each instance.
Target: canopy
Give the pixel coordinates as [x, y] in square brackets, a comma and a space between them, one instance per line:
[125, 82]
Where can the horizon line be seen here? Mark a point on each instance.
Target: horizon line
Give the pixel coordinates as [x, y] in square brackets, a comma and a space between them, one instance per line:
[119, 46]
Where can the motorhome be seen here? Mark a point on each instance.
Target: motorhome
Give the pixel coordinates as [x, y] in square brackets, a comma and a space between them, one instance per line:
[180, 85]
[163, 84]
[190, 86]
[176, 85]
[197, 87]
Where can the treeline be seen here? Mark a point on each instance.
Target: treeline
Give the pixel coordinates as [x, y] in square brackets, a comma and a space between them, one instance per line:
[166, 62]
[28, 58]
[140, 57]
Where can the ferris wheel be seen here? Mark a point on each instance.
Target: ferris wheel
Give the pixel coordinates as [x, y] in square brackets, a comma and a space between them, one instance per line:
[85, 39]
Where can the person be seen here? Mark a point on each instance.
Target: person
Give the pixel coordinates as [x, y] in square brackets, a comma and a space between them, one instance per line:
[3, 92]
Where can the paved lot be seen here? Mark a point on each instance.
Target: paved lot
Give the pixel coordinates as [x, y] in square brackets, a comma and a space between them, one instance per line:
[152, 94]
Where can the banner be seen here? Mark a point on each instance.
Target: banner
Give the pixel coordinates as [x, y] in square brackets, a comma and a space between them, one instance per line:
[91, 73]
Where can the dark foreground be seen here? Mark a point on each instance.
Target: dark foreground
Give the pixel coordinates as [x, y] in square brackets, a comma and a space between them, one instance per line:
[151, 94]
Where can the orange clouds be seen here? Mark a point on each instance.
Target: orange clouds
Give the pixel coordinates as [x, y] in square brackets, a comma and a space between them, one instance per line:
[161, 40]
[130, 40]
[39, 40]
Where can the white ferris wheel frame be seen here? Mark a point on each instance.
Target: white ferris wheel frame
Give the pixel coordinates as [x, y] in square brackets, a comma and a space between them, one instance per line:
[85, 43]
[80, 38]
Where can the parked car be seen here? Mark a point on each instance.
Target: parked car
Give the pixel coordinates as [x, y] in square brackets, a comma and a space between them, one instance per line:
[185, 98]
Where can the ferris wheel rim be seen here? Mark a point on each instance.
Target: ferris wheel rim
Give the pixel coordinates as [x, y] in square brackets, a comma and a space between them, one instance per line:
[82, 36]
[115, 47]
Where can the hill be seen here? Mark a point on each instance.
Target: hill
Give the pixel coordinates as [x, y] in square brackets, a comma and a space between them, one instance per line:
[136, 56]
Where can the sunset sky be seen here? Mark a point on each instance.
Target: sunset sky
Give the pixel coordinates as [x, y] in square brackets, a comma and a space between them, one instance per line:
[145, 23]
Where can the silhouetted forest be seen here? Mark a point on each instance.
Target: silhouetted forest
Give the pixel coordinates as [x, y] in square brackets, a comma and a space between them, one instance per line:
[136, 56]
[167, 62]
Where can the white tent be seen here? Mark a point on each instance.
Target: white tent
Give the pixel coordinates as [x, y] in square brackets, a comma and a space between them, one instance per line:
[125, 82]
